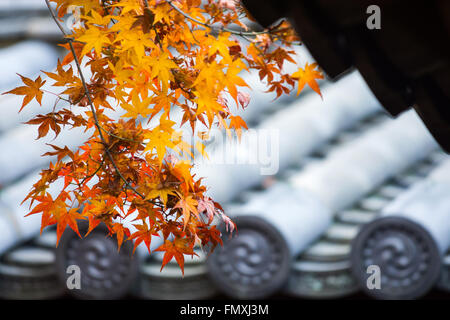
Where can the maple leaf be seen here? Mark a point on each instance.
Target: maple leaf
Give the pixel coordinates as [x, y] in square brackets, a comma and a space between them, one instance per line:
[66, 218]
[182, 171]
[78, 47]
[145, 21]
[188, 206]
[268, 70]
[206, 205]
[60, 152]
[206, 100]
[159, 140]
[231, 79]
[229, 224]
[32, 89]
[177, 248]
[211, 236]
[143, 234]
[279, 88]
[45, 122]
[55, 211]
[120, 231]
[161, 67]
[161, 13]
[137, 107]
[279, 55]
[237, 123]
[244, 99]
[308, 76]
[220, 45]
[97, 19]
[94, 38]
[93, 223]
[135, 43]
[62, 77]
[162, 192]
[46, 205]
[129, 5]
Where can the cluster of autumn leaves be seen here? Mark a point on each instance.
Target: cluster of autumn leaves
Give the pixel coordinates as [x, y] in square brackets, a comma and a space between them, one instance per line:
[147, 60]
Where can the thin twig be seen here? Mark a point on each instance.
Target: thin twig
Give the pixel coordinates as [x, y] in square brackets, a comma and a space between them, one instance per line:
[223, 29]
[93, 174]
[55, 18]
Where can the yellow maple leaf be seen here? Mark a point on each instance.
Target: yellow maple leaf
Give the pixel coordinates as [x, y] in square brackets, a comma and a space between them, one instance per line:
[97, 19]
[211, 75]
[237, 123]
[137, 107]
[161, 13]
[308, 76]
[162, 193]
[221, 45]
[231, 79]
[129, 5]
[160, 68]
[135, 42]
[206, 100]
[158, 140]
[94, 38]
[161, 138]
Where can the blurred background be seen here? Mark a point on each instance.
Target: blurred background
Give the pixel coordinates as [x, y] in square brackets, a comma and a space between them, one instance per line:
[332, 198]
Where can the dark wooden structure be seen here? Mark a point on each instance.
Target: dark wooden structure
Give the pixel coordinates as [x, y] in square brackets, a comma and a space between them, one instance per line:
[406, 62]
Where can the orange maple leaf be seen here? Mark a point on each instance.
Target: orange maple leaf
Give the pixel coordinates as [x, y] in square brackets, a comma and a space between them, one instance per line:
[120, 231]
[45, 206]
[78, 47]
[62, 77]
[46, 122]
[188, 206]
[178, 248]
[67, 218]
[143, 234]
[308, 76]
[30, 90]
[237, 123]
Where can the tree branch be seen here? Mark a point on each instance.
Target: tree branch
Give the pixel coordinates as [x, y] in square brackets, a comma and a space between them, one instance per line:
[223, 29]
[91, 104]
